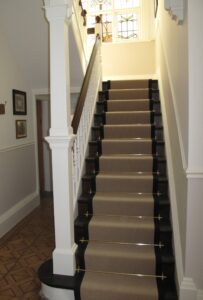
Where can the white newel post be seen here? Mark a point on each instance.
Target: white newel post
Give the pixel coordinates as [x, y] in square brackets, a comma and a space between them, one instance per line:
[58, 13]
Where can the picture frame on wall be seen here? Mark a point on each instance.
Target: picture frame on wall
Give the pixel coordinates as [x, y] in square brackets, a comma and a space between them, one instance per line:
[156, 2]
[19, 102]
[21, 129]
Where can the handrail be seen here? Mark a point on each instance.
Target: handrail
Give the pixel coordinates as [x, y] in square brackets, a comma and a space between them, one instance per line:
[83, 91]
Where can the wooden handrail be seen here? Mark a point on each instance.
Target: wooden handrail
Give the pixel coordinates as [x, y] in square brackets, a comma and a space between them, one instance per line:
[83, 91]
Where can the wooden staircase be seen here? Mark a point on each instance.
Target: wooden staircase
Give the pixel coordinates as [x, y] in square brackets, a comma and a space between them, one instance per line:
[123, 229]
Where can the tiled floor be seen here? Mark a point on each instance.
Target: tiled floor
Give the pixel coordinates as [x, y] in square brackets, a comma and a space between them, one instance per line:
[23, 250]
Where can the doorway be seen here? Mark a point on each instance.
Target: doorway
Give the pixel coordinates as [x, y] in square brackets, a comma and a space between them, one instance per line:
[44, 153]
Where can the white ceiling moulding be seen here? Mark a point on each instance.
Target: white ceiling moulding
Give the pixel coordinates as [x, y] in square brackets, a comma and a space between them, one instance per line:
[176, 9]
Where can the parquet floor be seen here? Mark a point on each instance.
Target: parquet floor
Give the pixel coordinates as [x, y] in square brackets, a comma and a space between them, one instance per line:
[23, 250]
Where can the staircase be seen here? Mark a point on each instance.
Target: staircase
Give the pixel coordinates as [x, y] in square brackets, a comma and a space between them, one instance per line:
[123, 228]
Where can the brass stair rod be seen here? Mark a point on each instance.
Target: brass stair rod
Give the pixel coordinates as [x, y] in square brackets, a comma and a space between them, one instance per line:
[160, 245]
[87, 214]
[122, 274]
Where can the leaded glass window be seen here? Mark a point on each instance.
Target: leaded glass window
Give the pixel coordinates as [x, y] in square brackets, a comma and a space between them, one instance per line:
[120, 18]
[127, 26]
[122, 4]
[107, 28]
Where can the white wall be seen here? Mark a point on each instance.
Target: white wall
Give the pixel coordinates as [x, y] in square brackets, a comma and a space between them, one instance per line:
[128, 60]
[18, 187]
[26, 29]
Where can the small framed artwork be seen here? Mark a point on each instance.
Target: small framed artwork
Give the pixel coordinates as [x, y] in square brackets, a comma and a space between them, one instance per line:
[19, 103]
[21, 129]
[155, 7]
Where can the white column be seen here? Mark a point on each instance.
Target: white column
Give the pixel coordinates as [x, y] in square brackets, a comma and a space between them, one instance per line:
[61, 136]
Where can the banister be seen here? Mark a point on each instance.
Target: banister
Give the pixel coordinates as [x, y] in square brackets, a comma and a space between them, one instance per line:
[83, 91]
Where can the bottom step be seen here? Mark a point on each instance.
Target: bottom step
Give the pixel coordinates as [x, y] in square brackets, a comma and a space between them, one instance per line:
[117, 287]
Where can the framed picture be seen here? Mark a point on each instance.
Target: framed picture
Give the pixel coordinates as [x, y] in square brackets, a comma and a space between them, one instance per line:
[19, 103]
[21, 129]
[155, 7]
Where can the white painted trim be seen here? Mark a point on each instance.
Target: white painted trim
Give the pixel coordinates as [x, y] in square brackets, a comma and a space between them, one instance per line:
[16, 213]
[188, 290]
[51, 293]
[174, 101]
[200, 295]
[198, 174]
[176, 227]
[15, 147]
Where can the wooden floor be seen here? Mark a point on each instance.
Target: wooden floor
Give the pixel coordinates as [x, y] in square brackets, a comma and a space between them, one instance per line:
[23, 250]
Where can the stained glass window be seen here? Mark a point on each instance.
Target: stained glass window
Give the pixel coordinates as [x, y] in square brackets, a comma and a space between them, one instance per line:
[98, 5]
[127, 26]
[107, 28]
[120, 19]
[122, 4]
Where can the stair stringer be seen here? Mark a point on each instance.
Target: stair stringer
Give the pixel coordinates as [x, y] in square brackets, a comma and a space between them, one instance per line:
[173, 195]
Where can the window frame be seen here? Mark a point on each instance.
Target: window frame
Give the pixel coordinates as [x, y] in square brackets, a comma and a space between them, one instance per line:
[115, 12]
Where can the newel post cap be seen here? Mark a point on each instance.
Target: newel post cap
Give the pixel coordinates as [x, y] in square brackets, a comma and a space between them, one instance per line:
[58, 9]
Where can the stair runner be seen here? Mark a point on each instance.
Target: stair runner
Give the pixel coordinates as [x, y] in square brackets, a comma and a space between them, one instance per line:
[123, 229]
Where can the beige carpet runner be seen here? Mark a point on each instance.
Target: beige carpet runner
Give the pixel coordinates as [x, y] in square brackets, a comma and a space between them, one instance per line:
[121, 230]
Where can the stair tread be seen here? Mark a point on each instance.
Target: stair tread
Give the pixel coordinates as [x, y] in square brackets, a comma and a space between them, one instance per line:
[118, 287]
[122, 222]
[132, 140]
[140, 83]
[117, 205]
[125, 175]
[126, 157]
[120, 250]
[131, 112]
[124, 100]
[120, 258]
[127, 125]
[133, 196]
[128, 89]
[128, 100]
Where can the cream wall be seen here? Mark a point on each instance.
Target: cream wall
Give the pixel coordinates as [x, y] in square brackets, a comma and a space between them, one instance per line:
[172, 68]
[179, 50]
[194, 244]
[18, 187]
[128, 60]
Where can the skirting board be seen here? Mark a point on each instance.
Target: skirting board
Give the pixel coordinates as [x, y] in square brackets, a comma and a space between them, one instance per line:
[19, 211]
[189, 291]
[50, 293]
